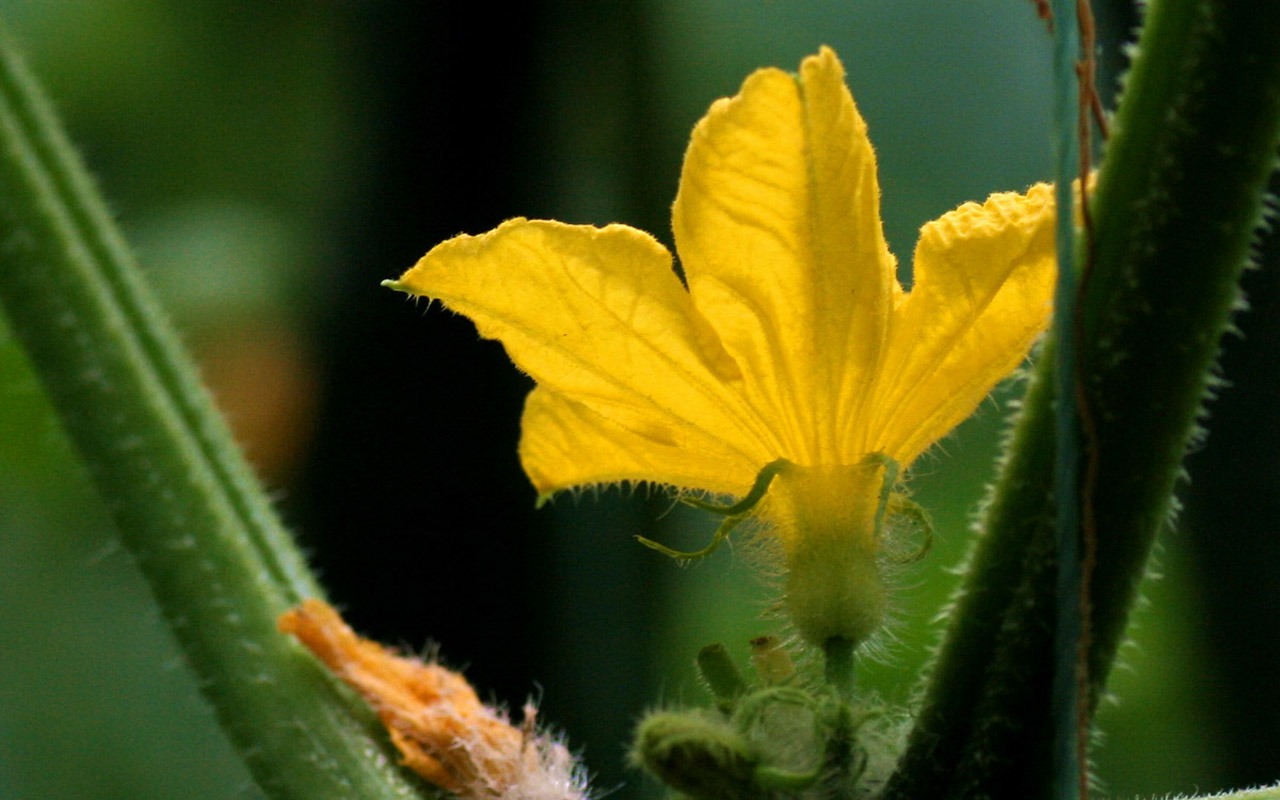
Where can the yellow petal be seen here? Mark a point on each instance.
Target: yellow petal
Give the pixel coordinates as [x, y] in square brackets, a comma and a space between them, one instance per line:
[983, 292]
[598, 317]
[777, 225]
[565, 444]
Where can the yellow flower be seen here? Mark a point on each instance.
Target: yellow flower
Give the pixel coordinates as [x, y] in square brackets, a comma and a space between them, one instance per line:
[792, 340]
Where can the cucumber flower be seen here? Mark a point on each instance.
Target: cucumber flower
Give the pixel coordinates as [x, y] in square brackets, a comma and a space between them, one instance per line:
[788, 369]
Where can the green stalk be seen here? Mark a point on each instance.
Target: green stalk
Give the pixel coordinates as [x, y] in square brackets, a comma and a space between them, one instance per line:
[187, 506]
[1070, 578]
[1175, 220]
[1177, 203]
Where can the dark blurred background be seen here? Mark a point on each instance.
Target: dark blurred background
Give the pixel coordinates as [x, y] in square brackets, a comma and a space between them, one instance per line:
[273, 162]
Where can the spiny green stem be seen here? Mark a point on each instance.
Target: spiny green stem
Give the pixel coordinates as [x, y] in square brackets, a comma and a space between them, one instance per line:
[187, 506]
[1267, 793]
[1174, 220]
[1179, 197]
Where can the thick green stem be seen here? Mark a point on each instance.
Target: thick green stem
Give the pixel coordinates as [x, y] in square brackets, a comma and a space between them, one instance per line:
[1175, 219]
[187, 506]
[1179, 198]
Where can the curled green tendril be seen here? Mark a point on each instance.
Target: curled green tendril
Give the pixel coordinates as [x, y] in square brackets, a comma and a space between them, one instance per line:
[902, 506]
[733, 514]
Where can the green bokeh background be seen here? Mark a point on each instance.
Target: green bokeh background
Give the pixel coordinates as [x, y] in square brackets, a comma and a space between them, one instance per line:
[273, 162]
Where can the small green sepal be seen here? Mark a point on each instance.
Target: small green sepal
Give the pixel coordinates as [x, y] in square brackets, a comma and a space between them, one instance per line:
[720, 675]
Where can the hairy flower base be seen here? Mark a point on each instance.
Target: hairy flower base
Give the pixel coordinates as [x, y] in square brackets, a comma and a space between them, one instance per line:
[435, 719]
[828, 521]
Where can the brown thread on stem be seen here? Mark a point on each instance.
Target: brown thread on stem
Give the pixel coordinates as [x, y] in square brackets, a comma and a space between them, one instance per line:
[1089, 111]
[1045, 12]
